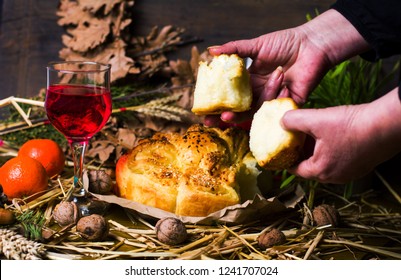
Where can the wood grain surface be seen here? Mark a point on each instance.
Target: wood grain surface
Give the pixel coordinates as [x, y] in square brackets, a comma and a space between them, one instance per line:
[30, 36]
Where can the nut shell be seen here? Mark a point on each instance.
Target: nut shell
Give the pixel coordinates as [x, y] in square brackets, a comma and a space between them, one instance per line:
[271, 238]
[6, 217]
[99, 182]
[93, 227]
[66, 213]
[171, 231]
[325, 214]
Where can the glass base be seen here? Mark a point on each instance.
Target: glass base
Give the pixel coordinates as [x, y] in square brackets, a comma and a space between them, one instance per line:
[88, 205]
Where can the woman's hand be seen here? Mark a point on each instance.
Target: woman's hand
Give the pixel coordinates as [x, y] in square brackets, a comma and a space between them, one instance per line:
[349, 141]
[272, 55]
[304, 53]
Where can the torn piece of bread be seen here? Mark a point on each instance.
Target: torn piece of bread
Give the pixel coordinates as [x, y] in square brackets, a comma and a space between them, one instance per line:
[222, 85]
[273, 147]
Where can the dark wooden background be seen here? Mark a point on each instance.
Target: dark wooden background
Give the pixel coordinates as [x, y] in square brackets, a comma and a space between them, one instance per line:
[30, 36]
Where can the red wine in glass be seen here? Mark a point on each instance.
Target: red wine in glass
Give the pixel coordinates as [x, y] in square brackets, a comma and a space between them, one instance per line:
[78, 111]
[78, 104]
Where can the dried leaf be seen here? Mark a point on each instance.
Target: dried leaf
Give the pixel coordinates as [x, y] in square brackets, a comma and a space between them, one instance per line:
[167, 35]
[70, 13]
[184, 73]
[118, 21]
[113, 54]
[95, 32]
[102, 148]
[126, 137]
[151, 64]
[196, 57]
[159, 125]
[119, 26]
[87, 35]
[120, 63]
[95, 5]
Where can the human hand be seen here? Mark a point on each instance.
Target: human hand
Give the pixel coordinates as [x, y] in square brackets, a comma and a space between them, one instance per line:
[303, 53]
[348, 141]
[284, 64]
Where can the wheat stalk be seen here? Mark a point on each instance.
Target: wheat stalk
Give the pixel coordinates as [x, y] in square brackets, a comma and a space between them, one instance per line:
[160, 107]
[15, 246]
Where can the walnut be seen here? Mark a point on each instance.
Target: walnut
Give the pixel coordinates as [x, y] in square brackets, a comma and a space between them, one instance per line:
[93, 227]
[99, 182]
[171, 231]
[325, 214]
[66, 213]
[271, 238]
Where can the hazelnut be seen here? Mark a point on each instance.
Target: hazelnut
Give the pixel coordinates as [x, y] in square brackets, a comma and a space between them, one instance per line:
[93, 227]
[66, 213]
[171, 231]
[99, 182]
[47, 233]
[271, 238]
[325, 214]
[6, 217]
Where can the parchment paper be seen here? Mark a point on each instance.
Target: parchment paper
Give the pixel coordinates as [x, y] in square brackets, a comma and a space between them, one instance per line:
[248, 211]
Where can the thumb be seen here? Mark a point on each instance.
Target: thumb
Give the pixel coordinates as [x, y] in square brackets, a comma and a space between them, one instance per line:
[244, 48]
[299, 120]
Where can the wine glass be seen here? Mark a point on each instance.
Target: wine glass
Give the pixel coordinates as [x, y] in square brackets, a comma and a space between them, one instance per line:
[78, 104]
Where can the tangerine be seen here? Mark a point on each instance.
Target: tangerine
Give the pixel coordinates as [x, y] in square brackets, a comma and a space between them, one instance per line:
[47, 152]
[23, 176]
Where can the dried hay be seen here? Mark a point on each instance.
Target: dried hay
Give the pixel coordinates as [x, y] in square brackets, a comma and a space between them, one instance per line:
[367, 231]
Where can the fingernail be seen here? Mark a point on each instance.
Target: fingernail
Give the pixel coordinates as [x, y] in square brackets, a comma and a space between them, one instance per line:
[277, 73]
[224, 120]
[213, 47]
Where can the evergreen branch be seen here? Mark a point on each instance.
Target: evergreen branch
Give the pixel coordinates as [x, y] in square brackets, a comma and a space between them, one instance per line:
[32, 223]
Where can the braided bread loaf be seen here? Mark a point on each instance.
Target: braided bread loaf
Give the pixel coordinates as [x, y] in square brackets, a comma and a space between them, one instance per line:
[193, 174]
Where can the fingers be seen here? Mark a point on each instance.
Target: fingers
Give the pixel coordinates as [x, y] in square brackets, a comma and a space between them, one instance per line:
[227, 117]
[244, 48]
[272, 88]
[300, 120]
[305, 169]
[231, 117]
[212, 120]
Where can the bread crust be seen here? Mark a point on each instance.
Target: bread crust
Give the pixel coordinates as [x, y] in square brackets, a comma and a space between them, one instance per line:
[193, 174]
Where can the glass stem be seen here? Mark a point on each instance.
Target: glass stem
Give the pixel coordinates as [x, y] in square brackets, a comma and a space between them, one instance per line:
[78, 154]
